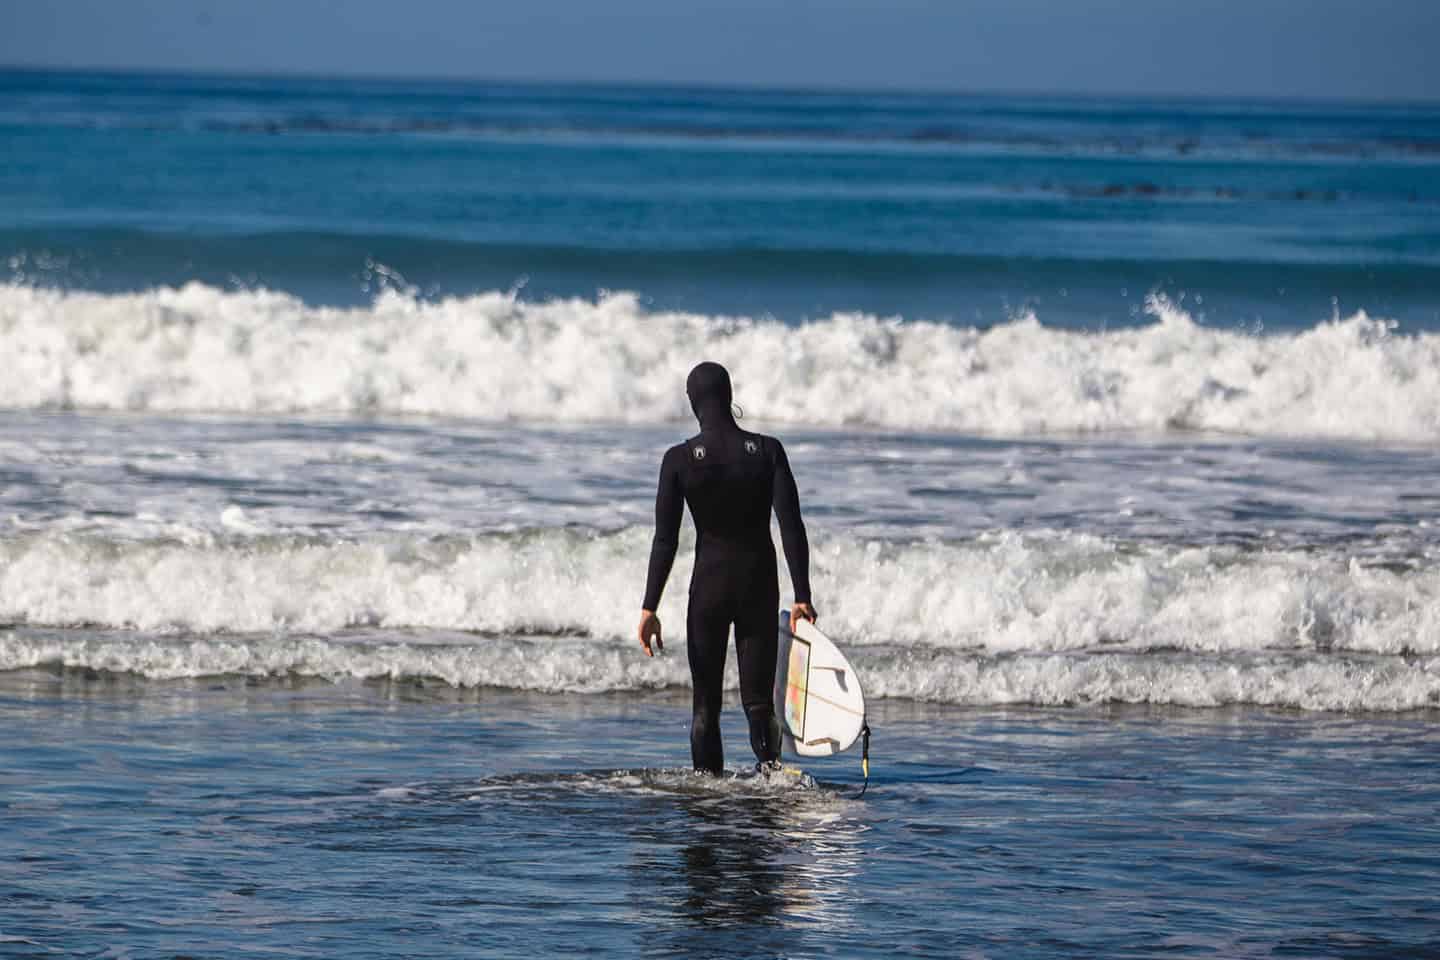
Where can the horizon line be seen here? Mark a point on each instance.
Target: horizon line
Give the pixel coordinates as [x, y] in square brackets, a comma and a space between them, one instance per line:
[713, 86]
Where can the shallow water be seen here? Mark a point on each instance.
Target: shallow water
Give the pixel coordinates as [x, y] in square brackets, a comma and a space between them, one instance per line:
[240, 819]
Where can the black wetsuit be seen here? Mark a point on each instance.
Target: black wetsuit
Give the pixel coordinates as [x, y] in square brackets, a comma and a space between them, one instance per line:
[731, 479]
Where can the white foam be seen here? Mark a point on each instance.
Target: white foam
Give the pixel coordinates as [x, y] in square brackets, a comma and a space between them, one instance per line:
[394, 793]
[1007, 593]
[557, 581]
[550, 664]
[741, 781]
[1338, 682]
[492, 356]
[1300, 681]
[1054, 618]
[999, 593]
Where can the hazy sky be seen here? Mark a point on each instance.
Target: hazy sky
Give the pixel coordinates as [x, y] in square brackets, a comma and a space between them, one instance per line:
[1316, 48]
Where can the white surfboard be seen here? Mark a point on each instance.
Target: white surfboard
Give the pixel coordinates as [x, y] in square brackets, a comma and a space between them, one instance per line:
[817, 693]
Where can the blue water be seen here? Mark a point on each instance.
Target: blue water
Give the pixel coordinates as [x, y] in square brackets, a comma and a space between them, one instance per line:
[240, 820]
[329, 421]
[952, 207]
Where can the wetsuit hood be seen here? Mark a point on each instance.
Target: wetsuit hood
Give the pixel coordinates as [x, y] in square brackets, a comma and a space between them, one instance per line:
[710, 395]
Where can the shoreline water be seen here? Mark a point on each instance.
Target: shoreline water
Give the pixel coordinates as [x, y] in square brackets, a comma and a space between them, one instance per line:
[1092, 832]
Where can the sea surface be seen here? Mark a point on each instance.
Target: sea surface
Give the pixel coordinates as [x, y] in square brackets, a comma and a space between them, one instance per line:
[330, 417]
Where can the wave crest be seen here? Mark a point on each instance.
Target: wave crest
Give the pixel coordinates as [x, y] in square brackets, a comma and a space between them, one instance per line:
[1346, 682]
[999, 594]
[496, 357]
[1001, 619]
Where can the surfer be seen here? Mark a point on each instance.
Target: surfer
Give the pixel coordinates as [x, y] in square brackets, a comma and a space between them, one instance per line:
[731, 479]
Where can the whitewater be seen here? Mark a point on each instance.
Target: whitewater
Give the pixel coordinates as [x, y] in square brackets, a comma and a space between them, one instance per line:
[499, 357]
[208, 483]
[960, 570]
[1064, 619]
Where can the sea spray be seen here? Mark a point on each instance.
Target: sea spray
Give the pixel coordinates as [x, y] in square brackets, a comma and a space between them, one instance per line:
[495, 357]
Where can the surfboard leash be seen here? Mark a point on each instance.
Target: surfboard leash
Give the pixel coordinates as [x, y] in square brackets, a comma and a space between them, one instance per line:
[864, 759]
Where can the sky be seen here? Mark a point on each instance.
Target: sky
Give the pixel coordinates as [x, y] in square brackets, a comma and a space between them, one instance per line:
[1365, 49]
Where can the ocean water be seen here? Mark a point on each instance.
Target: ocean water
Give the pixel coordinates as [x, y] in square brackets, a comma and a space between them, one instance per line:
[330, 416]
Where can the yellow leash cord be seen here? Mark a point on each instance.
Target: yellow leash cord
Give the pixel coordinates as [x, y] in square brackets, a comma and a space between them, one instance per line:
[864, 759]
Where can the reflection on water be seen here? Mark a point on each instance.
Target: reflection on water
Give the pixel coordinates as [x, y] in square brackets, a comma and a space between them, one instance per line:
[736, 874]
[153, 819]
[766, 869]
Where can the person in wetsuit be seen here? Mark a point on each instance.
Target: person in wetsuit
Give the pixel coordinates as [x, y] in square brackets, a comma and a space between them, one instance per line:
[731, 479]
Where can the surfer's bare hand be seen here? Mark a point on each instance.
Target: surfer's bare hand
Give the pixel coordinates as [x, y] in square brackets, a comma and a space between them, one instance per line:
[650, 630]
[801, 611]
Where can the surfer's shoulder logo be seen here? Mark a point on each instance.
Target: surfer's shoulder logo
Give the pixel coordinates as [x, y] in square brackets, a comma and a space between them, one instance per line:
[751, 447]
[699, 451]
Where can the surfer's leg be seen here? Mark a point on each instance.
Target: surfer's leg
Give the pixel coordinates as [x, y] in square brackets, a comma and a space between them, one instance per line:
[708, 634]
[755, 645]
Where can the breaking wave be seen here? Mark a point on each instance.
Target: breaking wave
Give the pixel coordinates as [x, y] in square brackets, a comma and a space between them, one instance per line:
[1338, 682]
[1056, 618]
[495, 357]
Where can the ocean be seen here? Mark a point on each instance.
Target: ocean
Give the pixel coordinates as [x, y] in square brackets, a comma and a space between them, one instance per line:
[330, 417]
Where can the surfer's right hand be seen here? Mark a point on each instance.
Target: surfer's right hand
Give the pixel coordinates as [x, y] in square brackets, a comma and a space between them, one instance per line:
[650, 630]
[801, 611]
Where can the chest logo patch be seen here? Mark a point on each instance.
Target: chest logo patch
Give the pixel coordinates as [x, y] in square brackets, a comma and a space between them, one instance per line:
[752, 447]
[699, 452]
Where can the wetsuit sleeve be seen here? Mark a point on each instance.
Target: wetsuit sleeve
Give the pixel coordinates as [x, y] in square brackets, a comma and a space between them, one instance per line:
[792, 528]
[669, 508]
